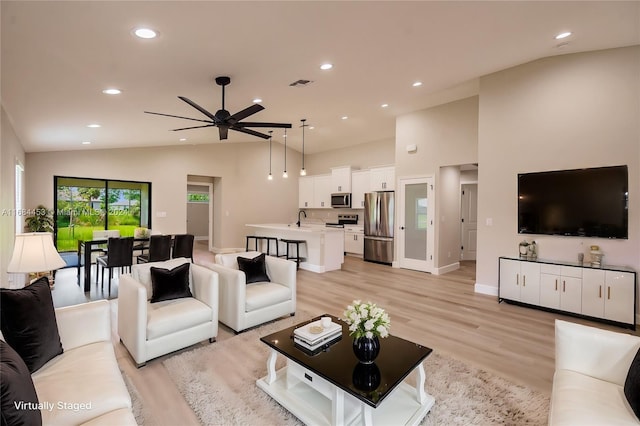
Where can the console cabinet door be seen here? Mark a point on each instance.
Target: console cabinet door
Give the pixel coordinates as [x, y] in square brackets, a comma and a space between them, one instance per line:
[618, 305]
[571, 295]
[593, 292]
[530, 283]
[509, 279]
[550, 291]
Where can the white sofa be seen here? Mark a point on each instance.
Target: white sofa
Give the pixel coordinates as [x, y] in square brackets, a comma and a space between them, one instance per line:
[244, 305]
[85, 373]
[591, 368]
[149, 330]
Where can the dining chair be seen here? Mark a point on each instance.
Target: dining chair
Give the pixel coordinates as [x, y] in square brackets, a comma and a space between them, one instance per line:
[183, 246]
[159, 249]
[119, 255]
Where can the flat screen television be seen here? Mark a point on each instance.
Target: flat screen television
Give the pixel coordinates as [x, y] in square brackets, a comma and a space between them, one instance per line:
[583, 202]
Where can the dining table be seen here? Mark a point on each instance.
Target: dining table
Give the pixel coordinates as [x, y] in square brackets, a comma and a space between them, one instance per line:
[85, 249]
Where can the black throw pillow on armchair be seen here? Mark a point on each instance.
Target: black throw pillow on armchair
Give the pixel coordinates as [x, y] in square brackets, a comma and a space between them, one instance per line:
[28, 323]
[632, 385]
[255, 269]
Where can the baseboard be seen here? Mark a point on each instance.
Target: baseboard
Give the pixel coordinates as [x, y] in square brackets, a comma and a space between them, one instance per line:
[313, 268]
[201, 238]
[486, 289]
[447, 268]
[225, 250]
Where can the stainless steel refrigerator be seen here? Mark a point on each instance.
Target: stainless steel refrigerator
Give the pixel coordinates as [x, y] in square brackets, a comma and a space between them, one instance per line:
[378, 226]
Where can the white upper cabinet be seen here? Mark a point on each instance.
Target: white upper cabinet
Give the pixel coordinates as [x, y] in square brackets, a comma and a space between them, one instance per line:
[382, 178]
[360, 185]
[305, 192]
[341, 179]
[322, 191]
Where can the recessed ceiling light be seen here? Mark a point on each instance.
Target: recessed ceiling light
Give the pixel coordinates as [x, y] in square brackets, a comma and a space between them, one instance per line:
[344, 117]
[563, 35]
[417, 83]
[145, 33]
[257, 100]
[112, 91]
[86, 143]
[384, 105]
[93, 125]
[183, 139]
[326, 66]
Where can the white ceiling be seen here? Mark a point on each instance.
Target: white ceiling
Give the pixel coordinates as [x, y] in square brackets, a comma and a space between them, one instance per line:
[58, 56]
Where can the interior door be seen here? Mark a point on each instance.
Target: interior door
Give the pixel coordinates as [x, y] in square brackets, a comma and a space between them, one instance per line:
[415, 224]
[469, 220]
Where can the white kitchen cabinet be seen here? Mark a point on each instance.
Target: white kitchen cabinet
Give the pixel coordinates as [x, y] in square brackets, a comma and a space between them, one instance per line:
[606, 294]
[561, 287]
[520, 281]
[305, 192]
[341, 179]
[382, 178]
[360, 185]
[322, 191]
[354, 241]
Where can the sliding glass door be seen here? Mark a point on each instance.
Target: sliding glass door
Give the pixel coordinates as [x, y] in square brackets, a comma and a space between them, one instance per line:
[84, 205]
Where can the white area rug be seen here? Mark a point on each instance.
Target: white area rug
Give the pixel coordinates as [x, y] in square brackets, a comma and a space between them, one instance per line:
[218, 382]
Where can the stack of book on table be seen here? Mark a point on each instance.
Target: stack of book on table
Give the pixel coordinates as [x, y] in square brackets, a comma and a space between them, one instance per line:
[313, 336]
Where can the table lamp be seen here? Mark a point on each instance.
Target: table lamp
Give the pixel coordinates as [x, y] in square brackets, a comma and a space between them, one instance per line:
[35, 253]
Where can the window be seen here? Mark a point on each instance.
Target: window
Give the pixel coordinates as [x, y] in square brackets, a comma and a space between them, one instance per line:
[421, 213]
[84, 205]
[197, 197]
[19, 200]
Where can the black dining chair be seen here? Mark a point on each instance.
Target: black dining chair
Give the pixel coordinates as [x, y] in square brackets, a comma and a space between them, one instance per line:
[159, 249]
[183, 246]
[119, 255]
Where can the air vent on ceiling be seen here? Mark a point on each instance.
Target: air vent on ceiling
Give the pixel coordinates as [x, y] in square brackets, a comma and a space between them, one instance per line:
[300, 83]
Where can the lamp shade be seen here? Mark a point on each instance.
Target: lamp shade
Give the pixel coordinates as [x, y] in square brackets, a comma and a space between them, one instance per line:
[34, 252]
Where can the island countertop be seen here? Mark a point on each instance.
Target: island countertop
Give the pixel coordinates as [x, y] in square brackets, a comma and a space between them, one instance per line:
[322, 251]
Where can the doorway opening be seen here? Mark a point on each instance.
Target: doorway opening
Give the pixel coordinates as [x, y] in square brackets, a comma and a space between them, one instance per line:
[200, 203]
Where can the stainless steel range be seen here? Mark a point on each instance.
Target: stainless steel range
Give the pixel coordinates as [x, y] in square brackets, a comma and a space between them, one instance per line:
[344, 219]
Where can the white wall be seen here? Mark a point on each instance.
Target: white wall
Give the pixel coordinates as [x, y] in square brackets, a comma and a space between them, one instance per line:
[562, 112]
[242, 193]
[448, 214]
[10, 151]
[363, 156]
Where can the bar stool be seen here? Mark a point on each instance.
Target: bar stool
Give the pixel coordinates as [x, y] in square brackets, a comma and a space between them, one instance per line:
[288, 243]
[274, 240]
[256, 240]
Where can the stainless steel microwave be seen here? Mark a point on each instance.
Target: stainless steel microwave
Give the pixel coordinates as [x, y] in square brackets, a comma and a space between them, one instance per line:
[341, 201]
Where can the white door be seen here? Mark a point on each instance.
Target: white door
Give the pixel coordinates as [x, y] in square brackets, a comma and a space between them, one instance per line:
[469, 220]
[415, 225]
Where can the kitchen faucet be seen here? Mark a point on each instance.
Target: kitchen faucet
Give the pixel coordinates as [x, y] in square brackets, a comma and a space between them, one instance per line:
[305, 215]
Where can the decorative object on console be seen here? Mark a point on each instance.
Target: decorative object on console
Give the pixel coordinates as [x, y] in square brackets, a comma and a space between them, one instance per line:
[523, 248]
[532, 250]
[596, 256]
[34, 253]
[366, 322]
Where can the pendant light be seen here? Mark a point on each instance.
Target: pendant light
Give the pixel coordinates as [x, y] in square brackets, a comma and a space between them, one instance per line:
[270, 177]
[284, 174]
[303, 172]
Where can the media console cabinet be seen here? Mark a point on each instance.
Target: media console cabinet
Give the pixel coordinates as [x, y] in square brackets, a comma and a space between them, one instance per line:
[606, 294]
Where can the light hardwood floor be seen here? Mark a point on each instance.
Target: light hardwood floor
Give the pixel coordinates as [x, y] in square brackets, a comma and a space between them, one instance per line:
[441, 312]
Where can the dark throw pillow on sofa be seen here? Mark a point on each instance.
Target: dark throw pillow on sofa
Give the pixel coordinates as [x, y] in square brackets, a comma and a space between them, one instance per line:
[255, 269]
[17, 387]
[168, 284]
[28, 323]
[632, 385]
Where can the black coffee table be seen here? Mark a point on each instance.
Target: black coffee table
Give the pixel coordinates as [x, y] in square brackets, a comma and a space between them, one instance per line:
[330, 386]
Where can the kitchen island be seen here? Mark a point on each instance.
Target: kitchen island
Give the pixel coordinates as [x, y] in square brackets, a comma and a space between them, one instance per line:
[324, 248]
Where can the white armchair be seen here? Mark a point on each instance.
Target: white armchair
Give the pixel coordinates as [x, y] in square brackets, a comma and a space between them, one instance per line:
[247, 305]
[149, 330]
[591, 368]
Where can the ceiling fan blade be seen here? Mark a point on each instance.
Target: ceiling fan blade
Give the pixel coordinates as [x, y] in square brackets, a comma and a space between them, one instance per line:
[177, 116]
[199, 108]
[250, 132]
[195, 127]
[244, 113]
[257, 124]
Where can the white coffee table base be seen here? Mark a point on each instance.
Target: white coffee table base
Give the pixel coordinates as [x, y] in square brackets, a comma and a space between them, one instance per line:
[315, 401]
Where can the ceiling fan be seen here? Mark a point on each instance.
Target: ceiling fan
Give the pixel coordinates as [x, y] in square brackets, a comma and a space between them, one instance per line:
[223, 120]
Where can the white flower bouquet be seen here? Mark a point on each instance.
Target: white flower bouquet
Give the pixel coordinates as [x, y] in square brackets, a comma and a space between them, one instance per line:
[367, 320]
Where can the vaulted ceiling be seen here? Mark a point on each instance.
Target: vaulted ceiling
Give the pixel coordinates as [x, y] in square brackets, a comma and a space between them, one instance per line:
[57, 57]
